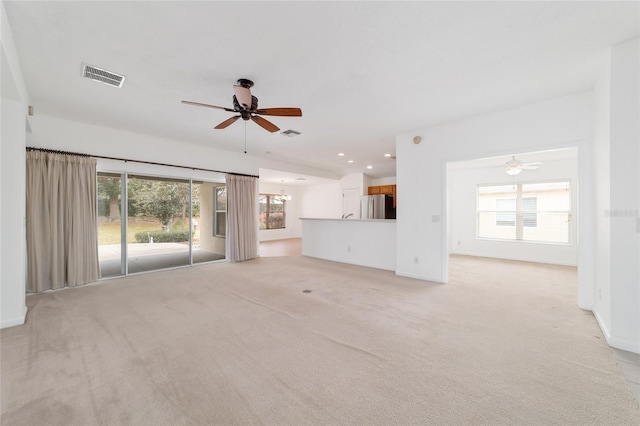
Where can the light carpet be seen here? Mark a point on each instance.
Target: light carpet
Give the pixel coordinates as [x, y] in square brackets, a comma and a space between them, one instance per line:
[226, 344]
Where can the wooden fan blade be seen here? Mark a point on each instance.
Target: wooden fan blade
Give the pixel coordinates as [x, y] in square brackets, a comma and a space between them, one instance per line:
[265, 124]
[281, 112]
[207, 105]
[243, 95]
[227, 122]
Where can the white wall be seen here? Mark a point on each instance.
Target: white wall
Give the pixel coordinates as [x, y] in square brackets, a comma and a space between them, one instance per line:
[602, 198]
[321, 201]
[14, 102]
[463, 212]
[625, 186]
[383, 181]
[421, 169]
[56, 133]
[358, 181]
[292, 212]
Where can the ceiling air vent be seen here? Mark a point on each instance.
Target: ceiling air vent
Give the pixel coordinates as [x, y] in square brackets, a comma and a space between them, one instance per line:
[290, 133]
[103, 76]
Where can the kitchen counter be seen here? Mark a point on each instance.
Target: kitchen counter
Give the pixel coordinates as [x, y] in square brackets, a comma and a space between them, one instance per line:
[365, 242]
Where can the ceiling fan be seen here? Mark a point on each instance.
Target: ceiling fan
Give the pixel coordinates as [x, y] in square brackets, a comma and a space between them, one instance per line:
[514, 167]
[246, 106]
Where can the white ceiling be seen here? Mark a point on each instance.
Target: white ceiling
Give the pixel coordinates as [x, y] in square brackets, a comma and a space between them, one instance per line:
[362, 72]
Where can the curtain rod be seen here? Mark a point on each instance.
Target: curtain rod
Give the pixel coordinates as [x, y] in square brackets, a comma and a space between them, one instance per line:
[55, 151]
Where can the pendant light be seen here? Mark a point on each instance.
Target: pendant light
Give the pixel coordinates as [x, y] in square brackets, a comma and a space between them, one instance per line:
[283, 195]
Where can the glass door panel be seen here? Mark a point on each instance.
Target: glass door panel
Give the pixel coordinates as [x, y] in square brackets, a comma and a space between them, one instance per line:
[110, 224]
[209, 221]
[158, 223]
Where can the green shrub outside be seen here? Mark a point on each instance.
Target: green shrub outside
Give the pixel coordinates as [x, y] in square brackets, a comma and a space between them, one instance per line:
[162, 236]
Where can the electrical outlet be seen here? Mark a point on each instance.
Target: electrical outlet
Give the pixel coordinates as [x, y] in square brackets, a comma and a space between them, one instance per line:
[349, 249]
[415, 260]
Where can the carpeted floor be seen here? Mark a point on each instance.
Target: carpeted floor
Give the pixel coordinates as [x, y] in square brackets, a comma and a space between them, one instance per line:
[245, 344]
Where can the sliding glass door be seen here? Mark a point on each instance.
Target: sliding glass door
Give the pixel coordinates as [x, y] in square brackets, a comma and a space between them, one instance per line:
[110, 229]
[209, 210]
[158, 222]
[151, 223]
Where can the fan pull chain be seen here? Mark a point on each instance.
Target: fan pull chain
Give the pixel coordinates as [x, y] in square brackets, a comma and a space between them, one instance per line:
[245, 137]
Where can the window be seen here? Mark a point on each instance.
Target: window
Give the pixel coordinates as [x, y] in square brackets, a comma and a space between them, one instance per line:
[529, 215]
[272, 211]
[506, 212]
[220, 211]
[539, 212]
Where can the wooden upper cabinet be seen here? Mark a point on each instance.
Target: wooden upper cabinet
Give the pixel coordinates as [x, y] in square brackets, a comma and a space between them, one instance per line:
[383, 189]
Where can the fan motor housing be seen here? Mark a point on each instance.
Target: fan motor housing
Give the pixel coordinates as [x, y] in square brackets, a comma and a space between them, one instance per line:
[240, 108]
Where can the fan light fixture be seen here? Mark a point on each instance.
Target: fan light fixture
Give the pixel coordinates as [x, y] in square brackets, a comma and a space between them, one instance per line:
[513, 171]
[514, 167]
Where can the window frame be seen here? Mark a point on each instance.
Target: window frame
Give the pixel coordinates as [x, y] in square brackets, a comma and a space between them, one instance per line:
[268, 212]
[219, 212]
[522, 214]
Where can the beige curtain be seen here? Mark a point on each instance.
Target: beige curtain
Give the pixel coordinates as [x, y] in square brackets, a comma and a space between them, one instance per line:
[62, 242]
[242, 218]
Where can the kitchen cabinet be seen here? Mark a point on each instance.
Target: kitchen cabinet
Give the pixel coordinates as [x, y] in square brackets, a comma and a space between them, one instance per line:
[383, 189]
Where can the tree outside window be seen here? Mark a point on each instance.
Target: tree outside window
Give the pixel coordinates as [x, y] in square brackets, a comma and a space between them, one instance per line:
[272, 211]
[220, 211]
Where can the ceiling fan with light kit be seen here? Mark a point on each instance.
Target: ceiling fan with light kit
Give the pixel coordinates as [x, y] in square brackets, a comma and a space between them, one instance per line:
[246, 106]
[514, 167]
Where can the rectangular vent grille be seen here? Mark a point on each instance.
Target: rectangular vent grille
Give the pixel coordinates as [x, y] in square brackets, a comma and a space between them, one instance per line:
[290, 133]
[103, 76]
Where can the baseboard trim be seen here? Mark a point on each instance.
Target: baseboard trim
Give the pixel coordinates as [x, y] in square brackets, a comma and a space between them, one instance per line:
[602, 325]
[420, 277]
[12, 322]
[350, 262]
[625, 345]
[515, 258]
[615, 342]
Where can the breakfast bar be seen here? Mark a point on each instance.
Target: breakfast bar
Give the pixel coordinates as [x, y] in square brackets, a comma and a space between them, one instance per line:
[365, 242]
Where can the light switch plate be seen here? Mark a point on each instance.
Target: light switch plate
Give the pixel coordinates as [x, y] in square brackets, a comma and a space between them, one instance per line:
[435, 218]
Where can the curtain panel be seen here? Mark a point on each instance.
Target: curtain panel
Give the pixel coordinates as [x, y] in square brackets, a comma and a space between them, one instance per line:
[62, 242]
[242, 218]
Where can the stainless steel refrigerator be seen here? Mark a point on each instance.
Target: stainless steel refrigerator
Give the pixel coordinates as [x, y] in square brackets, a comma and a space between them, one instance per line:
[377, 207]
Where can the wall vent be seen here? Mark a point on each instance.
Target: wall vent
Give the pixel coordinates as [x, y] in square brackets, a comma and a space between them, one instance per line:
[290, 133]
[103, 76]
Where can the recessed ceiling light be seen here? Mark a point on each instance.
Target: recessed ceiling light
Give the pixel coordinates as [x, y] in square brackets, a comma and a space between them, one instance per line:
[350, 161]
[387, 155]
[341, 154]
[300, 178]
[369, 167]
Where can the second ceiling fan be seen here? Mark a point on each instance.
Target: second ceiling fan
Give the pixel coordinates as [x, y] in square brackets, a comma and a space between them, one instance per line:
[246, 106]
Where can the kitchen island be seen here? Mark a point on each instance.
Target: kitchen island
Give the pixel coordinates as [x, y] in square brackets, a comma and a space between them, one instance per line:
[365, 242]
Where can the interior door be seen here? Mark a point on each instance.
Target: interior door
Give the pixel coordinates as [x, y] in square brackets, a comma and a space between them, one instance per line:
[351, 202]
